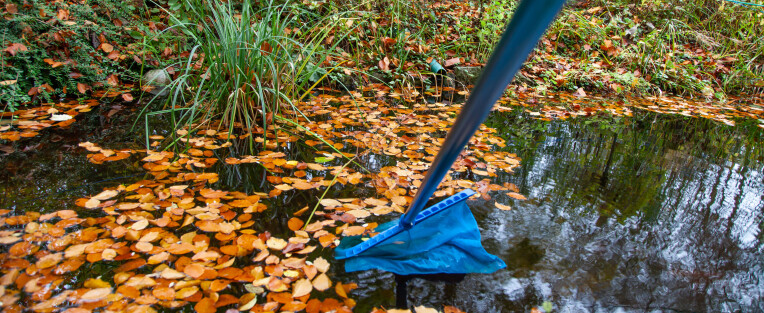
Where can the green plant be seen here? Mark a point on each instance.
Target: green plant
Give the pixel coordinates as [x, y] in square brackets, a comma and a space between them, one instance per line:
[246, 67]
[62, 48]
[483, 33]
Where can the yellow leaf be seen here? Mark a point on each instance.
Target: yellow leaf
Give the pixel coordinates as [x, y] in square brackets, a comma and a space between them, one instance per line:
[276, 243]
[321, 264]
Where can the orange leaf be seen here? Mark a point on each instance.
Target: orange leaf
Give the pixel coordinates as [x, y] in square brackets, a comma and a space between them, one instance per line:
[295, 223]
[503, 206]
[301, 287]
[322, 282]
[301, 185]
[212, 194]
[194, 270]
[516, 196]
[164, 293]
[206, 305]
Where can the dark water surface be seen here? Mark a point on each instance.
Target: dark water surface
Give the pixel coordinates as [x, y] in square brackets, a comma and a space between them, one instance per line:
[647, 214]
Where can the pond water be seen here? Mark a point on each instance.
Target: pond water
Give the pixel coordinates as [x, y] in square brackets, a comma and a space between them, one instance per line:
[650, 213]
[659, 213]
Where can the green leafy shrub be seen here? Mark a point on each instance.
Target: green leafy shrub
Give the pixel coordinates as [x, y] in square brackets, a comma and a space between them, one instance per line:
[52, 46]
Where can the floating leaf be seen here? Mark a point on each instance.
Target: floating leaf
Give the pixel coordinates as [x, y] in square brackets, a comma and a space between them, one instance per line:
[322, 282]
[503, 206]
[276, 243]
[194, 270]
[322, 265]
[95, 294]
[301, 287]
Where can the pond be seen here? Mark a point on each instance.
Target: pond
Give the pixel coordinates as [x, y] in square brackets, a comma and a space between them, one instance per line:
[657, 213]
[630, 214]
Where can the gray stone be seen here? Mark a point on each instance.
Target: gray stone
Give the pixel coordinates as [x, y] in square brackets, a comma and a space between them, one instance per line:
[467, 75]
[158, 78]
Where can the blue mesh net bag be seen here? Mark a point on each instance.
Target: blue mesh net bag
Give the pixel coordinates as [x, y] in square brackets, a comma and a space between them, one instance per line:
[444, 239]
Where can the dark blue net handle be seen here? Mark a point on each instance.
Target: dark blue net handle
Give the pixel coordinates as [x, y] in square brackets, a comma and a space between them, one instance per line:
[529, 22]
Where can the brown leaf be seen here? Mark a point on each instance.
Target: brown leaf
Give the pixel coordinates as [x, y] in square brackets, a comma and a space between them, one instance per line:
[15, 48]
[423, 309]
[112, 80]
[580, 92]
[452, 62]
[384, 64]
[12, 8]
[169, 273]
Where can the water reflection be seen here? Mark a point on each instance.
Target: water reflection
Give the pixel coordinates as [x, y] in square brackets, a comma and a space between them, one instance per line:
[652, 214]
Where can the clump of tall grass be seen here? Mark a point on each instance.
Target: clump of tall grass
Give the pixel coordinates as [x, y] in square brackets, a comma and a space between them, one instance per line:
[246, 66]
